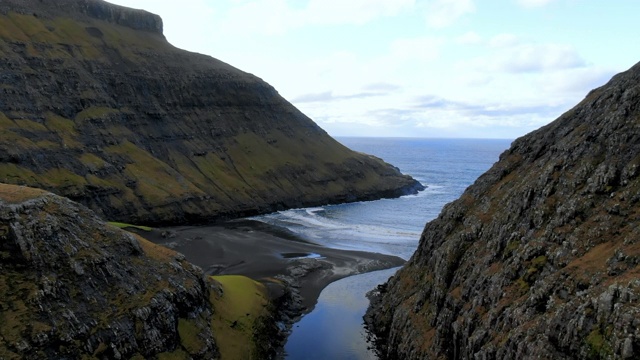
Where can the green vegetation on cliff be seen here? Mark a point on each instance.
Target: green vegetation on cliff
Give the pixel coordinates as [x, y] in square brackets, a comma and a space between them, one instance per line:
[240, 307]
[99, 107]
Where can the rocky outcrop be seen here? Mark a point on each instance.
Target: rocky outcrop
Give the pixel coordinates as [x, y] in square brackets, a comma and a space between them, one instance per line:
[73, 286]
[97, 9]
[540, 257]
[96, 106]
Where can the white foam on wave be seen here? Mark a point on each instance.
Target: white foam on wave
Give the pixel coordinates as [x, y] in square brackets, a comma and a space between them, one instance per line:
[314, 210]
[308, 219]
[314, 225]
[344, 226]
[429, 190]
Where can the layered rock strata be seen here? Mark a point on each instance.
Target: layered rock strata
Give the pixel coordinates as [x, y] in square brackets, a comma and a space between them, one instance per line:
[540, 257]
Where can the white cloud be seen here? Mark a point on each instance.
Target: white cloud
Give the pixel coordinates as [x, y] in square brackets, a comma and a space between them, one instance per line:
[473, 79]
[469, 38]
[576, 82]
[421, 49]
[353, 11]
[539, 58]
[518, 57]
[534, 3]
[269, 17]
[276, 17]
[504, 40]
[442, 13]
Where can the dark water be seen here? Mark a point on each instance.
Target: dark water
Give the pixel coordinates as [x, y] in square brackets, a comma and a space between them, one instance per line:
[333, 330]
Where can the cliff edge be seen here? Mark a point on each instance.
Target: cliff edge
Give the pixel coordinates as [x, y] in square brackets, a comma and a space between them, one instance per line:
[98, 9]
[98, 107]
[540, 257]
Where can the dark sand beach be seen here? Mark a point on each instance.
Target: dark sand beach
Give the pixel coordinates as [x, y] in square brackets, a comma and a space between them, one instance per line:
[262, 252]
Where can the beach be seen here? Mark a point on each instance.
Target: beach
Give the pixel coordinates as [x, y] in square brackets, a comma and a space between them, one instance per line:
[272, 255]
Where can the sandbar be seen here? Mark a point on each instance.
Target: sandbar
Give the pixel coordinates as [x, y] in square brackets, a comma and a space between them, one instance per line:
[264, 252]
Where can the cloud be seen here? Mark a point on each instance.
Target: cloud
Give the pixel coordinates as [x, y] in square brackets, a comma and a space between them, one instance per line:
[276, 17]
[534, 3]
[577, 81]
[353, 11]
[266, 17]
[329, 96]
[443, 119]
[529, 58]
[381, 86]
[514, 56]
[504, 40]
[433, 114]
[417, 49]
[469, 38]
[442, 13]
[432, 102]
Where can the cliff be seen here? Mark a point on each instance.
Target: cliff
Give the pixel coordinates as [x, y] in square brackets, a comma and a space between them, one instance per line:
[72, 285]
[98, 107]
[540, 257]
[75, 287]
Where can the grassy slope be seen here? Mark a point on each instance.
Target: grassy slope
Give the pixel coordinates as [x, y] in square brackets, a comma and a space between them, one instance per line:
[259, 153]
[238, 312]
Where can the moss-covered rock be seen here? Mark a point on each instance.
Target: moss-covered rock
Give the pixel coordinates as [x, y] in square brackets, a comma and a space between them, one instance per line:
[73, 286]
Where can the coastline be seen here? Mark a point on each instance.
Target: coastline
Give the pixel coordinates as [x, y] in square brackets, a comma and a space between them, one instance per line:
[294, 270]
[264, 252]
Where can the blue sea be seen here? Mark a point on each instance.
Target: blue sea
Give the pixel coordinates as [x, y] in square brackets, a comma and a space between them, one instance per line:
[334, 329]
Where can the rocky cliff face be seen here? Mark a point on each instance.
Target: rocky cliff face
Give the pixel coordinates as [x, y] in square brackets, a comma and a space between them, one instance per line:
[96, 106]
[540, 257]
[74, 287]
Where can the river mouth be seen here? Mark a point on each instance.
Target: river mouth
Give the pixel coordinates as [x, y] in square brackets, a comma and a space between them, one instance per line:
[334, 328]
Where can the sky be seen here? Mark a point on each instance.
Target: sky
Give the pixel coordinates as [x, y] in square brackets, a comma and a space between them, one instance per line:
[415, 68]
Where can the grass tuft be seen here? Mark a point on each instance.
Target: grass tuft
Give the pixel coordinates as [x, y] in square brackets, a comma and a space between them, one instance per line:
[16, 194]
[237, 313]
[125, 225]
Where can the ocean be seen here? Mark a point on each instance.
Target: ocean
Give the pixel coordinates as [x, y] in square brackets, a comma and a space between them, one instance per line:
[334, 329]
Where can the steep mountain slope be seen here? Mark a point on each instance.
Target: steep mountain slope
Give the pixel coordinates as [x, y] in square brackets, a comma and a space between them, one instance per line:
[540, 257]
[97, 106]
[73, 286]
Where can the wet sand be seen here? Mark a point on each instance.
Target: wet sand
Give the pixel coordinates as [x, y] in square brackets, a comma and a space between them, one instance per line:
[262, 252]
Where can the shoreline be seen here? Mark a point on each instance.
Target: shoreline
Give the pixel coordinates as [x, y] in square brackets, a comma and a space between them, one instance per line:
[294, 270]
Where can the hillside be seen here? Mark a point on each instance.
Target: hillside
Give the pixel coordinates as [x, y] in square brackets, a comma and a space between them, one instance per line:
[540, 257]
[75, 287]
[98, 107]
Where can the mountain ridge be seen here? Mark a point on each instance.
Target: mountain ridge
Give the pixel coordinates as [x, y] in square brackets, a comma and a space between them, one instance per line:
[142, 132]
[136, 19]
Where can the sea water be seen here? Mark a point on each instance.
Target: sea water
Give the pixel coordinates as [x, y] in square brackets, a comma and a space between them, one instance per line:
[334, 329]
